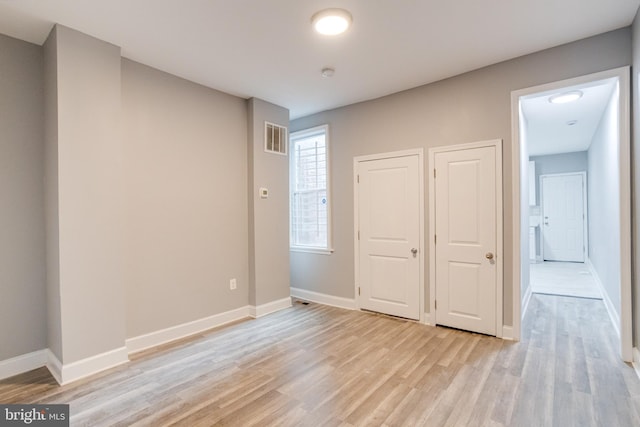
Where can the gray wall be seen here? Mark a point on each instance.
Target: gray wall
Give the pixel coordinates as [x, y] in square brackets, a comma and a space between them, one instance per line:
[22, 256]
[558, 163]
[90, 177]
[635, 181]
[185, 159]
[471, 107]
[268, 218]
[603, 202]
[54, 323]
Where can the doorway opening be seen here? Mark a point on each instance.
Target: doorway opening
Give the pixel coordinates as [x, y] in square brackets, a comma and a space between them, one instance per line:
[571, 167]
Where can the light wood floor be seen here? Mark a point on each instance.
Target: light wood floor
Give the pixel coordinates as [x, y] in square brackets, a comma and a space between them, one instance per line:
[315, 365]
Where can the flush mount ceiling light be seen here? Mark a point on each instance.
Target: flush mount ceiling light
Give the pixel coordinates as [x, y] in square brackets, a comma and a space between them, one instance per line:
[563, 98]
[331, 22]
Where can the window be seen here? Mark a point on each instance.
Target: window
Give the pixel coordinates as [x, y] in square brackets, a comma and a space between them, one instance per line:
[309, 186]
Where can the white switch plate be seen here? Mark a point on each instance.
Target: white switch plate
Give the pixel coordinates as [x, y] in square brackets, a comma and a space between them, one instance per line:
[264, 193]
[232, 284]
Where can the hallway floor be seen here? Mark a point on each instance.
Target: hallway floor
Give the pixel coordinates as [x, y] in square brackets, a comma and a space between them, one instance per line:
[571, 279]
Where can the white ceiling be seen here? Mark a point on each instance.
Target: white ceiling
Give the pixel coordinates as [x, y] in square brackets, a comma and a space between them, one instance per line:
[547, 129]
[267, 49]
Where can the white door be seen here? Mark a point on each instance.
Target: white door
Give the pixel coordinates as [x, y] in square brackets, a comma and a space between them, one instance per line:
[466, 242]
[563, 217]
[389, 226]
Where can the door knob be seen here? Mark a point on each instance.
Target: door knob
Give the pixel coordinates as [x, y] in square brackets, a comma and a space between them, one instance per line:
[489, 255]
[414, 251]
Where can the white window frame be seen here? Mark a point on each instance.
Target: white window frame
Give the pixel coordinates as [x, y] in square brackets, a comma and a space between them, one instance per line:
[294, 136]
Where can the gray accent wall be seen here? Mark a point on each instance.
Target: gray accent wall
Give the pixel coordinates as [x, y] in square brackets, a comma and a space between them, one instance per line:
[52, 218]
[22, 243]
[90, 189]
[268, 217]
[471, 107]
[185, 160]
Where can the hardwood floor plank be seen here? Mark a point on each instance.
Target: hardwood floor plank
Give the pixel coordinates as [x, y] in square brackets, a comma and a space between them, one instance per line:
[313, 365]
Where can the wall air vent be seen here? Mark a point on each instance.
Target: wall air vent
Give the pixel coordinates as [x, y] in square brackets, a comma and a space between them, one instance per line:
[275, 138]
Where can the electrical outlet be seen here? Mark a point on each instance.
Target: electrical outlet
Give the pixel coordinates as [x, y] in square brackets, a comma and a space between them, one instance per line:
[232, 284]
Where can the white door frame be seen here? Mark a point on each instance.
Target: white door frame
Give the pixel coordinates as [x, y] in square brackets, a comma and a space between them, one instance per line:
[622, 74]
[356, 219]
[497, 143]
[585, 227]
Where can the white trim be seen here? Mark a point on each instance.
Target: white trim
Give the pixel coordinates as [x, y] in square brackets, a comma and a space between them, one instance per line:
[585, 221]
[270, 307]
[153, 339]
[611, 308]
[54, 366]
[309, 250]
[507, 332]
[317, 297]
[497, 143]
[636, 361]
[528, 293]
[622, 74]
[356, 219]
[67, 373]
[23, 363]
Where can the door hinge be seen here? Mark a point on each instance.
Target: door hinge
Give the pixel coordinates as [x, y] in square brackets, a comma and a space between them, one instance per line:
[435, 239]
[358, 179]
[436, 304]
[358, 290]
[358, 234]
[434, 173]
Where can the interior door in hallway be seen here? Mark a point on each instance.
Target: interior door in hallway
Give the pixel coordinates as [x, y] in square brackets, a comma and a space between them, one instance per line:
[466, 238]
[388, 209]
[563, 217]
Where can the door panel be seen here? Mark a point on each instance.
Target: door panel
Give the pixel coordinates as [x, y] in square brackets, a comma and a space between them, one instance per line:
[465, 228]
[389, 221]
[563, 217]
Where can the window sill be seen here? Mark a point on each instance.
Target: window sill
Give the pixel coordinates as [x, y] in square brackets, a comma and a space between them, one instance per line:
[311, 250]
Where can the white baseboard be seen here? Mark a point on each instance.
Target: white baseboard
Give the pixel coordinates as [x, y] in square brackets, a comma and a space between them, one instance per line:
[636, 361]
[67, 373]
[611, 308]
[507, 333]
[340, 302]
[23, 363]
[270, 307]
[54, 366]
[164, 336]
[525, 300]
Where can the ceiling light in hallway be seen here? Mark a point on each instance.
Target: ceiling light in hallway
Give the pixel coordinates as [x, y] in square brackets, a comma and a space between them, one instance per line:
[331, 22]
[563, 98]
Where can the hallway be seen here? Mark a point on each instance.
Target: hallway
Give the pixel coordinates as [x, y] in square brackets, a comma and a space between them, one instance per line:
[573, 279]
